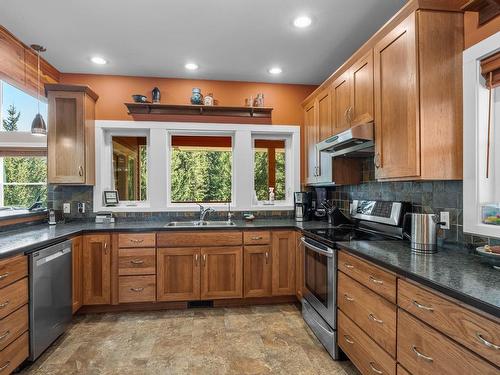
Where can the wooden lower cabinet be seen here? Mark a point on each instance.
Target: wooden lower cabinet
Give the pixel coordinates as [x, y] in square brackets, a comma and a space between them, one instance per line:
[77, 276]
[257, 267]
[97, 269]
[137, 289]
[12, 326]
[178, 274]
[401, 370]
[222, 272]
[283, 243]
[299, 265]
[14, 354]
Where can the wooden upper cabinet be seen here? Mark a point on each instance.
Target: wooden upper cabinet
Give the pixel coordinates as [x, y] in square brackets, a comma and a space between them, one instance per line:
[341, 103]
[222, 272]
[70, 143]
[283, 263]
[324, 114]
[96, 269]
[311, 138]
[257, 266]
[361, 74]
[178, 274]
[77, 276]
[397, 145]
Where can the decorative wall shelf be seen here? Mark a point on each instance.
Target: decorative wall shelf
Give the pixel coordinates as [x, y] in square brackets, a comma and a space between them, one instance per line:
[199, 113]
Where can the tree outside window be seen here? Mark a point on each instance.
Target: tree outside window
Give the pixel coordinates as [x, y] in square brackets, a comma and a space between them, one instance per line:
[269, 168]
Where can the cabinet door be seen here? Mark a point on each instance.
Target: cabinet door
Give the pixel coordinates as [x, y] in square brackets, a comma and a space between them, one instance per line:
[325, 114]
[283, 263]
[257, 271]
[299, 265]
[396, 103]
[96, 269]
[178, 274]
[341, 103]
[66, 138]
[311, 133]
[76, 253]
[361, 76]
[221, 272]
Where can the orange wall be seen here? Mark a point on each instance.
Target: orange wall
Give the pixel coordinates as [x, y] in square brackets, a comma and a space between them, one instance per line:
[474, 33]
[113, 91]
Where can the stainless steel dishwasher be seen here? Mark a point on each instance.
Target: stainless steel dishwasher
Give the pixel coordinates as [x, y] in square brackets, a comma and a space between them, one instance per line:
[50, 295]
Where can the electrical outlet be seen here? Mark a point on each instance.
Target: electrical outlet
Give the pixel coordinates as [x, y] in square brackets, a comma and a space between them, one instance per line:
[67, 208]
[445, 218]
[81, 207]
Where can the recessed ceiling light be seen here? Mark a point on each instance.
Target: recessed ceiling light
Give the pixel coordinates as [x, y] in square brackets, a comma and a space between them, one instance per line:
[275, 70]
[302, 22]
[191, 66]
[98, 60]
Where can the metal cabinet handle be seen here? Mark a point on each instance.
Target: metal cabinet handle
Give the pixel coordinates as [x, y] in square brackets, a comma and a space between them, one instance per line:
[137, 241]
[348, 339]
[374, 369]
[3, 305]
[256, 238]
[4, 335]
[136, 289]
[106, 248]
[423, 307]
[420, 355]
[348, 266]
[4, 275]
[267, 257]
[137, 261]
[486, 342]
[7, 364]
[347, 298]
[376, 160]
[196, 257]
[80, 171]
[204, 259]
[374, 318]
[376, 281]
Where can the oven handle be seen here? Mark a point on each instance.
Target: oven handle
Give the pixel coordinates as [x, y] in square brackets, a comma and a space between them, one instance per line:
[328, 253]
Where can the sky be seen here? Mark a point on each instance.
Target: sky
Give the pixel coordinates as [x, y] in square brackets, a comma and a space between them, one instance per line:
[26, 104]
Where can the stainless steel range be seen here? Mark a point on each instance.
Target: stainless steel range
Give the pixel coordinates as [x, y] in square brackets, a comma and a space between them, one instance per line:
[370, 220]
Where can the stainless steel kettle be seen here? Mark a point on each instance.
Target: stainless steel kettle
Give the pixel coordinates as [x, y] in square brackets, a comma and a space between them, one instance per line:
[423, 234]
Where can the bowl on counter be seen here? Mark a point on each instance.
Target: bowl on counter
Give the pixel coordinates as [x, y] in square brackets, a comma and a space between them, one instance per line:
[489, 257]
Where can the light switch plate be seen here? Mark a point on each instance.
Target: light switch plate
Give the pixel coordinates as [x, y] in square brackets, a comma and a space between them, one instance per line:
[445, 217]
[67, 208]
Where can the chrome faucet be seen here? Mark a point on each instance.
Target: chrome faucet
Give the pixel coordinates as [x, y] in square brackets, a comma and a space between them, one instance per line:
[204, 212]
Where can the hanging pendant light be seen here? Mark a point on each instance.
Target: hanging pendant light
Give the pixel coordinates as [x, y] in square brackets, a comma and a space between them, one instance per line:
[38, 126]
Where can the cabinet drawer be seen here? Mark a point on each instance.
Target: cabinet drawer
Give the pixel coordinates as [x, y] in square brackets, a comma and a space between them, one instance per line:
[474, 331]
[137, 289]
[13, 296]
[13, 269]
[200, 238]
[423, 350]
[136, 240]
[257, 238]
[13, 325]
[368, 357]
[374, 314]
[373, 277]
[137, 261]
[14, 354]
[401, 370]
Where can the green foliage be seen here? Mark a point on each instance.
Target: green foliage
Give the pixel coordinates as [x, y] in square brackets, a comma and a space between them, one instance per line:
[10, 123]
[279, 189]
[143, 173]
[261, 178]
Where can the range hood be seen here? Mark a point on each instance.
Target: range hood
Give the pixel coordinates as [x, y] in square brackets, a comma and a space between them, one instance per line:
[354, 142]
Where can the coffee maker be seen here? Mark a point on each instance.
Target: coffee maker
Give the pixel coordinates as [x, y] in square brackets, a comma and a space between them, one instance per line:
[303, 203]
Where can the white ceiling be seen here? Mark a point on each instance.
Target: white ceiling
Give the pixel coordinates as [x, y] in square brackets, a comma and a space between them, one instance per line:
[229, 39]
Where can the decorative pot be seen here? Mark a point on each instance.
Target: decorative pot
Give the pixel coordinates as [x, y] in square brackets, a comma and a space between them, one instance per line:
[196, 97]
[156, 95]
[209, 99]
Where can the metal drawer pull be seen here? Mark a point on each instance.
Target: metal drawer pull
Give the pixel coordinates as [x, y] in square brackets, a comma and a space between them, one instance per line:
[374, 369]
[423, 307]
[136, 289]
[2, 305]
[7, 364]
[80, 171]
[7, 333]
[348, 339]
[137, 261]
[256, 238]
[136, 241]
[376, 281]
[349, 266]
[372, 317]
[267, 257]
[486, 342]
[350, 299]
[4, 275]
[420, 355]
[196, 256]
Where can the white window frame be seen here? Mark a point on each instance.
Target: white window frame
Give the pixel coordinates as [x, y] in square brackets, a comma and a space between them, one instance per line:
[159, 136]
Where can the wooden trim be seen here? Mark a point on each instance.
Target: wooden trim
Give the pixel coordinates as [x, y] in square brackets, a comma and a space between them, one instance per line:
[71, 88]
[115, 256]
[23, 151]
[487, 9]
[275, 300]
[201, 141]
[491, 64]
[20, 220]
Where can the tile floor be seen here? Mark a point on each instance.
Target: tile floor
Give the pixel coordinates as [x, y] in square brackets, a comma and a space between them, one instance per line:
[246, 340]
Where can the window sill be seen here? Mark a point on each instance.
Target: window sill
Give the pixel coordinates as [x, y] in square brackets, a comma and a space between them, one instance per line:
[9, 217]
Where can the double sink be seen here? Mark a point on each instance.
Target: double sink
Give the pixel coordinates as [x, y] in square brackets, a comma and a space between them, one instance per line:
[200, 223]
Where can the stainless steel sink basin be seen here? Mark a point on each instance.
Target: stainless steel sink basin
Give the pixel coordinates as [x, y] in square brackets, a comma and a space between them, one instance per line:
[194, 224]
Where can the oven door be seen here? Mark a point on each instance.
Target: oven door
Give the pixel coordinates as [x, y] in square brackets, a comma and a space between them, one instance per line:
[320, 264]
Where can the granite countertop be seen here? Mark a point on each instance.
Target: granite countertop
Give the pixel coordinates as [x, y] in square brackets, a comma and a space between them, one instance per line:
[453, 270]
[34, 237]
